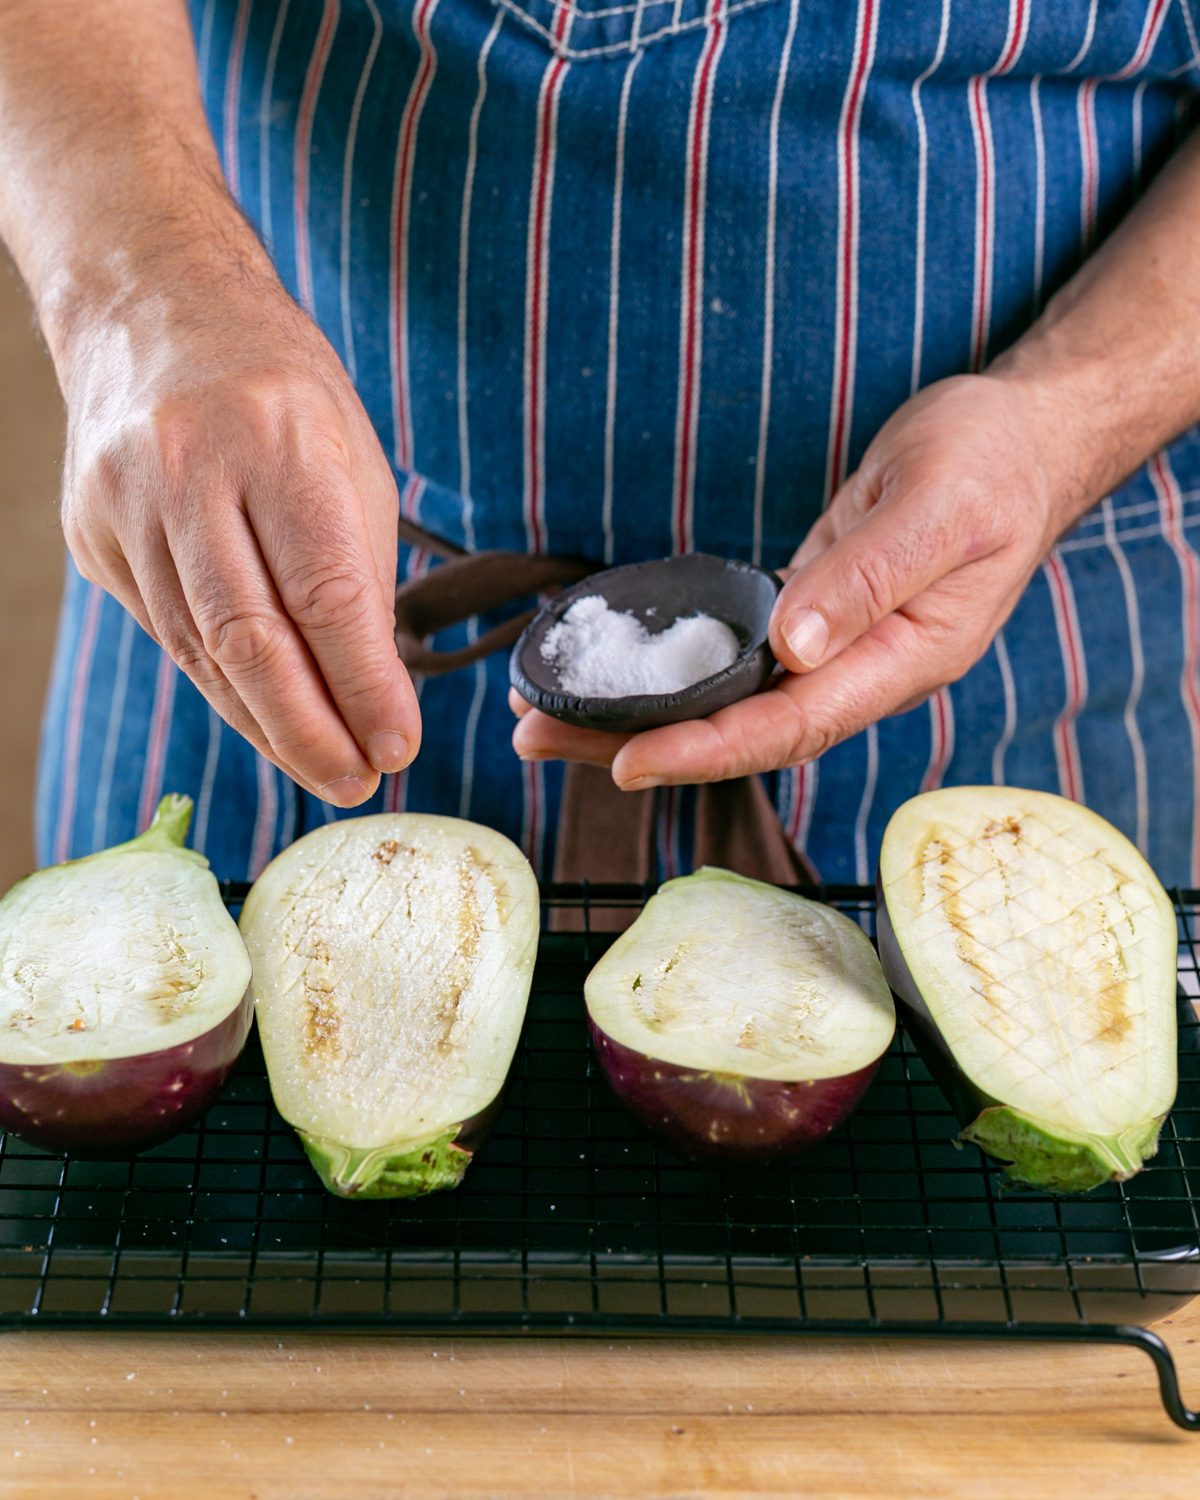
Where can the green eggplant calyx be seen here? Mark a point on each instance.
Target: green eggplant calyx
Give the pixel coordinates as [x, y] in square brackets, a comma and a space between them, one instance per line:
[392, 1171]
[1040, 1155]
[169, 827]
[166, 834]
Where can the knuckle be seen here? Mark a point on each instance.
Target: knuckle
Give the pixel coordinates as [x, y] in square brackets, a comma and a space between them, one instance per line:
[289, 410]
[298, 746]
[75, 534]
[170, 627]
[874, 579]
[240, 640]
[277, 390]
[954, 644]
[173, 435]
[267, 388]
[319, 441]
[177, 639]
[813, 732]
[368, 685]
[804, 737]
[812, 740]
[96, 480]
[107, 472]
[192, 659]
[86, 565]
[263, 401]
[325, 598]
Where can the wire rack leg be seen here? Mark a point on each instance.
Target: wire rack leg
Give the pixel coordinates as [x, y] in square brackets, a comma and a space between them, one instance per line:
[1131, 1334]
[1168, 1376]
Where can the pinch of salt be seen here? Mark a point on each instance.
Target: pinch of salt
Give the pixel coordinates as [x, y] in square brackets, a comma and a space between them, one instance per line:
[598, 652]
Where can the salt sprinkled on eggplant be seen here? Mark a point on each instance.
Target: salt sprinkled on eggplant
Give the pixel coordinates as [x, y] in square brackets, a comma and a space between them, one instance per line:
[739, 1021]
[1035, 951]
[393, 959]
[123, 993]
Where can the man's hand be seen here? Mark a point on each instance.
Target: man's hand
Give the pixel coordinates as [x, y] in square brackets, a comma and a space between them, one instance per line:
[222, 478]
[897, 590]
[901, 585]
[225, 484]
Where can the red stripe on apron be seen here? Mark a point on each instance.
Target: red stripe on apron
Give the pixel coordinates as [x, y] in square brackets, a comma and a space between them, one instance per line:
[409, 123]
[1066, 621]
[542, 193]
[304, 126]
[233, 92]
[1166, 488]
[692, 290]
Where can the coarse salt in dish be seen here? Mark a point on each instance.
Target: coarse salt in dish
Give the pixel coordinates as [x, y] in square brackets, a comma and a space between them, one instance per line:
[599, 652]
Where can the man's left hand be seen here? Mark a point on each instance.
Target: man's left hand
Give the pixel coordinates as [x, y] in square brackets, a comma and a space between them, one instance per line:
[898, 589]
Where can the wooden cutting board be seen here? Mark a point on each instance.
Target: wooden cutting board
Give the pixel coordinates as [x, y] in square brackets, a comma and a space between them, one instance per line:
[233, 1416]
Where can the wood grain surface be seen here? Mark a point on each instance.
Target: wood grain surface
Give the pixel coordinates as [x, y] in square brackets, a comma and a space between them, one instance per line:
[248, 1416]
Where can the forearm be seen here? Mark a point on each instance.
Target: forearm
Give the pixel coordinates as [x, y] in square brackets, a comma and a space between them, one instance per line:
[1112, 368]
[110, 176]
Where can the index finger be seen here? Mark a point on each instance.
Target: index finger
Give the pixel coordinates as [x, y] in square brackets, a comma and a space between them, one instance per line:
[794, 721]
[323, 564]
[241, 629]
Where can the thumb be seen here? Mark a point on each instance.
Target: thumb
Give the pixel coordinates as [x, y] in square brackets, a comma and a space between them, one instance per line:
[891, 556]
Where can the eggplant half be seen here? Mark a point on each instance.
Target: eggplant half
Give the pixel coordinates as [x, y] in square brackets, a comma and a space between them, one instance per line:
[124, 994]
[1035, 952]
[737, 1021]
[393, 956]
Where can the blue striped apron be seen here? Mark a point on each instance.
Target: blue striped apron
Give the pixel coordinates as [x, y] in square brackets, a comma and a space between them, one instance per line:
[626, 277]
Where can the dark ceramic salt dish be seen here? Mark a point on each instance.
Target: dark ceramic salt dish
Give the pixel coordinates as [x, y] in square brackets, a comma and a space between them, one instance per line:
[658, 594]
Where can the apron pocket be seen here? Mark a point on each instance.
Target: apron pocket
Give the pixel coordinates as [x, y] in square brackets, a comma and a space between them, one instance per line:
[579, 30]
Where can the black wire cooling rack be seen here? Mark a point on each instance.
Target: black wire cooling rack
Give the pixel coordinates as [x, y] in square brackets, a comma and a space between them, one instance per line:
[572, 1218]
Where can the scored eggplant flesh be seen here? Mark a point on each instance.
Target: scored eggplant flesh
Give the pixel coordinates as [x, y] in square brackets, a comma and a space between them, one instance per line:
[393, 957]
[135, 981]
[1036, 950]
[737, 1020]
[729, 974]
[124, 993]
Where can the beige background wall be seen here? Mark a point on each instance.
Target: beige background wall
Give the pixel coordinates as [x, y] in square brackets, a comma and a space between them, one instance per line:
[31, 427]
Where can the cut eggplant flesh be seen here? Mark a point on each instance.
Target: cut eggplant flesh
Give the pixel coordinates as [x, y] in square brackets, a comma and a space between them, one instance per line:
[123, 993]
[737, 1019]
[1036, 950]
[393, 956]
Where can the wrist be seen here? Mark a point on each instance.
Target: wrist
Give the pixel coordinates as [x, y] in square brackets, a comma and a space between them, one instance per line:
[1080, 418]
[1102, 388]
[161, 253]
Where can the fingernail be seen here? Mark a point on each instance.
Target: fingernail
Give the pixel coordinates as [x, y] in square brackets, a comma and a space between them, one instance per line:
[388, 751]
[347, 791]
[807, 636]
[640, 784]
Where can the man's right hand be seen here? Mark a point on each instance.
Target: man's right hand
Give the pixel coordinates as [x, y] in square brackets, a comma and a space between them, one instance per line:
[222, 478]
[225, 484]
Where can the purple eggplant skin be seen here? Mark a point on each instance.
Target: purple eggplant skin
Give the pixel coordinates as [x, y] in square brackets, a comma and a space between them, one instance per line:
[122, 1104]
[966, 1100]
[726, 1117]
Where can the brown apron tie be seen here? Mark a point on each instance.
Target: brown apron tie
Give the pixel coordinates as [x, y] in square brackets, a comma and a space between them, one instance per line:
[604, 835]
[466, 585]
[609, 836]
